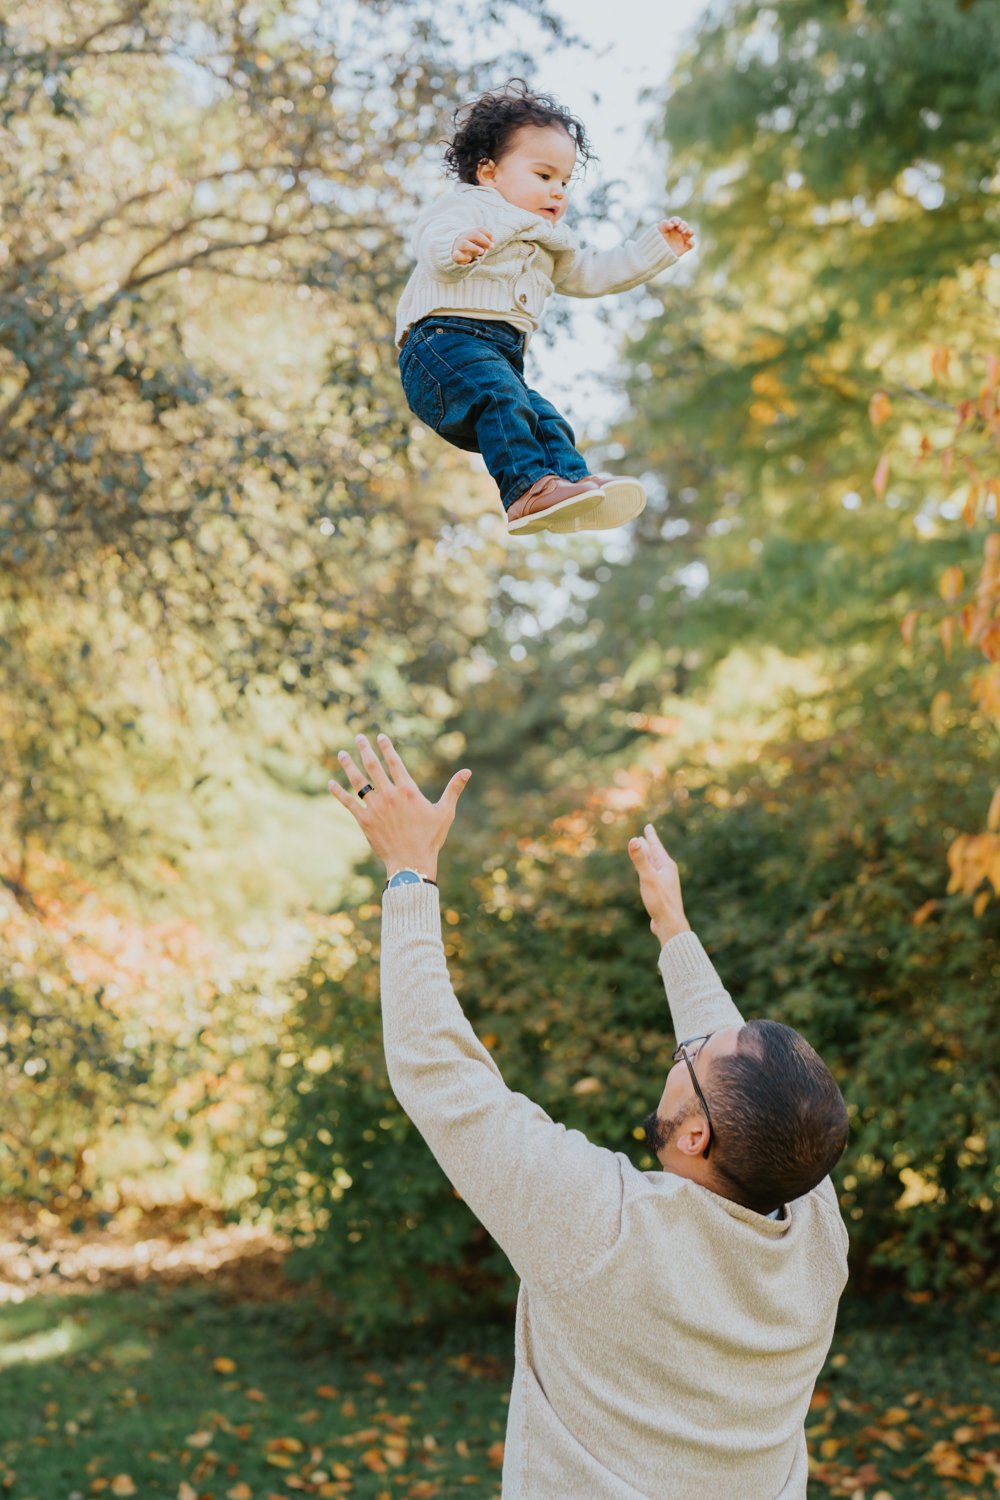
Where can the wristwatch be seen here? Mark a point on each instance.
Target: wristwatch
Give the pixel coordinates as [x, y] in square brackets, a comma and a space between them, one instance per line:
[408, 877]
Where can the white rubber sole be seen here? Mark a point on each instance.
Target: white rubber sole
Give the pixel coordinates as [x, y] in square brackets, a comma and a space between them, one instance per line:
[621, 501]
[565, 512]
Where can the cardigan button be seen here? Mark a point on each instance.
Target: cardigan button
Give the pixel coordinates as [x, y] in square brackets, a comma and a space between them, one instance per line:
[523, 297]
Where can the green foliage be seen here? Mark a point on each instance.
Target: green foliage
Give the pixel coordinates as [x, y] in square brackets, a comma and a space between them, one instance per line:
[812, 876]
[214, 544]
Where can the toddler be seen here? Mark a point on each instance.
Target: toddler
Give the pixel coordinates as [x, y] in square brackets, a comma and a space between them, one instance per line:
[488, 254]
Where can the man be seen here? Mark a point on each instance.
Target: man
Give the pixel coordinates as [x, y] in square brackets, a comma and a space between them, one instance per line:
[670, 1325]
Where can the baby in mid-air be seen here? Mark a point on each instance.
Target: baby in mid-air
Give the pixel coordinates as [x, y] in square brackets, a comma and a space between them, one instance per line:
[489, 253]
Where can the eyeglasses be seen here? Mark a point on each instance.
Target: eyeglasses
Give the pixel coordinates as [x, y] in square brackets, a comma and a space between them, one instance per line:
[681, 1055]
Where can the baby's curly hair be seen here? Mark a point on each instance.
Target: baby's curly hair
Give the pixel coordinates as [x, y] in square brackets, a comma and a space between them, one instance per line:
[483, 129]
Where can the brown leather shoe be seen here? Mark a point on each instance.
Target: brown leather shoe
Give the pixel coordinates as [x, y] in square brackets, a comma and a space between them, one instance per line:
[621, 500]
[550, 497]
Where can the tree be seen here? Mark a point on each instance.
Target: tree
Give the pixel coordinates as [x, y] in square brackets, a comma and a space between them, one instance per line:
[216, 542]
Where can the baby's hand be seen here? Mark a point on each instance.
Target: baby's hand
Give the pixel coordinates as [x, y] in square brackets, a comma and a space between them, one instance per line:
[471, 246]
[678, 235]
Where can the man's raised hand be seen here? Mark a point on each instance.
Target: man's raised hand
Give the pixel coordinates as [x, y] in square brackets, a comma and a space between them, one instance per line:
[659, 885]
[471, 246]
[404, 828]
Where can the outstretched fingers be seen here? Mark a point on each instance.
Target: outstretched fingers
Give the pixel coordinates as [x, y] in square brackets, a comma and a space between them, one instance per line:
[347, 799]
[646, 851]
[394, 761]
[350, 770]
[456, 786]
[659, 853]
[376, 771]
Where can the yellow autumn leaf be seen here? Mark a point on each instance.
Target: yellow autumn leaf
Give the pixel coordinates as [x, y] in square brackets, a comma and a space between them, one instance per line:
[198, 1439]
[186, 1491]
[223, 1365]
[970, 510]
[881, 476]
[241, 1491]
[123, 1484]
[993, 816]
[587, 1086]
[951, 584]
[940, 360]
[879, 409]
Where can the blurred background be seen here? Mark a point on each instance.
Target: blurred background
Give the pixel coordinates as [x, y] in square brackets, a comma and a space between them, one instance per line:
[226, 547]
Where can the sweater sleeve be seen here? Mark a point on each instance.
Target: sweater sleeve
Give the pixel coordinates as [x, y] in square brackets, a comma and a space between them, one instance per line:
[550, 1198]
[440, 225]
[595, 273]
[698, 1000]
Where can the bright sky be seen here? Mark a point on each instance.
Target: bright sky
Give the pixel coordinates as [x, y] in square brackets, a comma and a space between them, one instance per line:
[635, 44]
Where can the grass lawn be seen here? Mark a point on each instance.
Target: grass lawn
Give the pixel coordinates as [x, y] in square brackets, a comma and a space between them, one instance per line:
[182, 1393]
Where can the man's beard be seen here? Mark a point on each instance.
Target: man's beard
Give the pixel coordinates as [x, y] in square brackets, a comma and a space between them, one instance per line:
[657, 1131]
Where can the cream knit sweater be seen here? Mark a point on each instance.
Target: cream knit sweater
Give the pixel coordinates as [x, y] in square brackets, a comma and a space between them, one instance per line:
[667, 1340]
[531, 257]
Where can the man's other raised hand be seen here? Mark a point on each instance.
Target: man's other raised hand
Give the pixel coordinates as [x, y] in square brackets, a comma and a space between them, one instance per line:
[659, 885]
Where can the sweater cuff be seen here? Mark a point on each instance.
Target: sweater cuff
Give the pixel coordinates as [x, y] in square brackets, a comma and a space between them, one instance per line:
[411, 909]
[684, 964]
[654, 250]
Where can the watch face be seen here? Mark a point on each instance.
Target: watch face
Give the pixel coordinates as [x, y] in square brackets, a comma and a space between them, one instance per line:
[405, 877]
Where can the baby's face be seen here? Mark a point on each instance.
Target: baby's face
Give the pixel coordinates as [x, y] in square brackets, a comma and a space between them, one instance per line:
[534, 171]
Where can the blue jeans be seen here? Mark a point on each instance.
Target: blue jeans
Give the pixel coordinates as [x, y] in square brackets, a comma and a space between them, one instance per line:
[465, 378]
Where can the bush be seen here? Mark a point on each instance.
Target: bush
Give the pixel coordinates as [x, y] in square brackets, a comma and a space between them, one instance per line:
[816, 884]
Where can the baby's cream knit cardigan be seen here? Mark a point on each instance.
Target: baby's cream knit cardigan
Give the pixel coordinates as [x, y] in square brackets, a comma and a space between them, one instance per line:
[530, 258]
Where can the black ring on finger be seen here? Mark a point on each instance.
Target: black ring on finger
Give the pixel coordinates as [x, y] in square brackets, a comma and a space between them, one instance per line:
[363, 791]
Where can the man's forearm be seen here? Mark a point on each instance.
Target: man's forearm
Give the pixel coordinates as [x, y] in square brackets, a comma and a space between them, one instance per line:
[699, 1001]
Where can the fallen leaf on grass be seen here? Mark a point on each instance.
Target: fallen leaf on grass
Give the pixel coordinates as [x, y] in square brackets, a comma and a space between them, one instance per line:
[223, 1365]
[123, 1484]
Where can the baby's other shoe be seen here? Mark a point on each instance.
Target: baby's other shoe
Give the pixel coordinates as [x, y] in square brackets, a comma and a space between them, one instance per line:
[622, 499]
[550, 498]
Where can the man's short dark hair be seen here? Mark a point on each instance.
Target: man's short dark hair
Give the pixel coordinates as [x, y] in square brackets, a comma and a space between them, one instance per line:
[779, 1119]
[484, 128]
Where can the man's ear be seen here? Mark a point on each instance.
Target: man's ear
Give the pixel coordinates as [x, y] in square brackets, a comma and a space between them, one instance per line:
[693, 1135]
